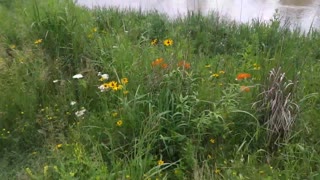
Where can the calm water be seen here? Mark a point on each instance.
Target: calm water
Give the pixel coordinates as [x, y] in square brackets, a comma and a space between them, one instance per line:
[303, 13]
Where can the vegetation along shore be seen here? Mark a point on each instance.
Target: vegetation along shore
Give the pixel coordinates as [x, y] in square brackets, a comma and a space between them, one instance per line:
[116, 94]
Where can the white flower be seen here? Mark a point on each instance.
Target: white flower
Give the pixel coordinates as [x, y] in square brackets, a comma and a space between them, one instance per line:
[55, 81]
[77, 76]
[80, 113]
[73, 103]
[105, 76]
[103, 88]
[99, 73]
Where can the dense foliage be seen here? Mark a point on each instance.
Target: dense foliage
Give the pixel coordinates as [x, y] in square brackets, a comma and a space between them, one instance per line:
[110, 94]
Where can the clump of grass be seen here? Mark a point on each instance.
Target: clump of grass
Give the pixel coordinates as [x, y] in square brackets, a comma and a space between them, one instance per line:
[278, 108]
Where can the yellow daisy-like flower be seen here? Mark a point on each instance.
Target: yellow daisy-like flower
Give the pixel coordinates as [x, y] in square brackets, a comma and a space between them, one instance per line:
[154, 42]
[119, 123]
[168, 42]
[113, 85]
[215, 75]
[212, 141]
[124, 80]
[106, 85]
[119, 87]
[38, 41]
[160, 162]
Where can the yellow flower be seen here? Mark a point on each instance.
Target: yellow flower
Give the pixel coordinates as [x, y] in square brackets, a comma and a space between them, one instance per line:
[168, 42]
[212, 141]
[115, 114]
[113, 84]
[12, 46]
[160, 162]
[154, 42]
[124, 80]
[215, 75]
[58, 146]
[38, 41]
[221, 72]
[256, 66]
[119, 123]
[119, 87]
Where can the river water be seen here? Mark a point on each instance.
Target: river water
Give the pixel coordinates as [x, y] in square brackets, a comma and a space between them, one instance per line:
[301, 13]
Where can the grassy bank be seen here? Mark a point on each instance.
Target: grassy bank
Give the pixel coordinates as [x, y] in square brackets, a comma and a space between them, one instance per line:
[110, 94]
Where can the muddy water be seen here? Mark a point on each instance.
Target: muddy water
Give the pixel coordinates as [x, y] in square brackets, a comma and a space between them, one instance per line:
[302, 13]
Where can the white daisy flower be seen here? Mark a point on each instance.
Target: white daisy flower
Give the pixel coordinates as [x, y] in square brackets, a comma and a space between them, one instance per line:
[77, 76]
[72, 103]
[80, 113]
[105, 76]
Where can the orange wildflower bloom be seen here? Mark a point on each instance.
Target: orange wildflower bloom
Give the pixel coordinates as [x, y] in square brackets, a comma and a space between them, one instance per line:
[184, 64]
[243, 76]
[157, 62]
[244, 89]
[164, 65]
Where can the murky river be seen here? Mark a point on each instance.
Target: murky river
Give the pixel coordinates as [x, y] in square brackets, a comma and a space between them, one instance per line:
[303, 13]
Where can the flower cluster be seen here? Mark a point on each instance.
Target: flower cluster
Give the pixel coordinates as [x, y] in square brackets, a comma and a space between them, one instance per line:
[159, 62]
[166, 42]
[243, 76]
[112, 85]
[184, 64]
[216, 75]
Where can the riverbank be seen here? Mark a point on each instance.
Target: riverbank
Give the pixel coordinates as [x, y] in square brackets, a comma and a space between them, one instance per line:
[110, 94]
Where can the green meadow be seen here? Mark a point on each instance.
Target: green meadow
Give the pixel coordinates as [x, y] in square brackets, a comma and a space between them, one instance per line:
[117, 94]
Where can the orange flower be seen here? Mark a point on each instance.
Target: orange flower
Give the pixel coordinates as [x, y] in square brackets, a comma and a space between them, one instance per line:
[244, 89]
[243, 76]
[184, 64]
[157, 62]
[164, 65]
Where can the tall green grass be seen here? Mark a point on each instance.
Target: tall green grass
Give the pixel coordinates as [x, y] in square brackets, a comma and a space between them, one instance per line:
[180, 117]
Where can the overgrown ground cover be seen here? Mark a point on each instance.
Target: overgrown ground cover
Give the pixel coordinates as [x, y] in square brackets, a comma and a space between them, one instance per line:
[110, 94]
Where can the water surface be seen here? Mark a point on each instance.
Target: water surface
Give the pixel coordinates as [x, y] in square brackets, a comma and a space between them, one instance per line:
[302, 13]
